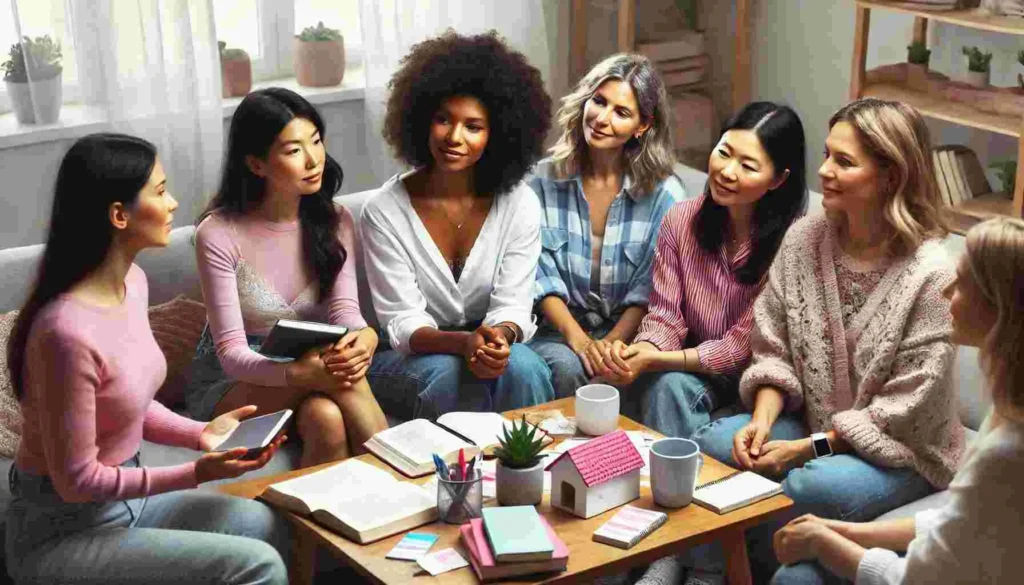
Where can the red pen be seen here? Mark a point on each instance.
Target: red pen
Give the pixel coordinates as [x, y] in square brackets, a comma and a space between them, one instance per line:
[462, 464]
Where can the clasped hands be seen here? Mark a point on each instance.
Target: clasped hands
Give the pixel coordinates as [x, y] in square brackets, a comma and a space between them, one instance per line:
[336, 366]
[770, 458]
[613, 361]
[486, 352]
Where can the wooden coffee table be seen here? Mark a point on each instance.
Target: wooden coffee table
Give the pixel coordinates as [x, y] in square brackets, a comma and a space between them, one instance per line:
[588, 560]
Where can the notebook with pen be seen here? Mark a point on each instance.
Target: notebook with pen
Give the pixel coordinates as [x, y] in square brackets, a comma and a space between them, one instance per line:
[408, 447]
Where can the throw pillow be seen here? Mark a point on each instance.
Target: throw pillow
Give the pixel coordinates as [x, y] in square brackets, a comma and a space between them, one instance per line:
[177, 326]
[10, 412]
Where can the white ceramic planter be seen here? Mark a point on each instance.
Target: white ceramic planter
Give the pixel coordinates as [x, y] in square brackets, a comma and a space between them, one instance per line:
[519, 487]
[46, 95]
[978, 79]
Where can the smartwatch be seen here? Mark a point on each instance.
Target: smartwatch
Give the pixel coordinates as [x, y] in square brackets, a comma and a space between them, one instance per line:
[822, 448]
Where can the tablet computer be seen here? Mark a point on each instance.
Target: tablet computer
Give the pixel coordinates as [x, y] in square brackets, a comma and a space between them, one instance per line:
[256, 433]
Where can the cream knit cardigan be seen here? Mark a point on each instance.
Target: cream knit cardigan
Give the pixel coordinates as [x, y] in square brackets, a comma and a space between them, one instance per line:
[902, 413]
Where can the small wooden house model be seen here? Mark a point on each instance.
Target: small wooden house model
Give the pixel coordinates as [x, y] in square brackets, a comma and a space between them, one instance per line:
[596, 476]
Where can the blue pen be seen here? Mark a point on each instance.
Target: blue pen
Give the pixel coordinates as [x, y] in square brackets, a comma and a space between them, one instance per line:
[442, 468]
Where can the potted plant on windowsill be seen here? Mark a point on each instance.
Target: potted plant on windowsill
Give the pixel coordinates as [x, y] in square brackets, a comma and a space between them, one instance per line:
[918, 56]
[33, 78]
[319, 56]
[978, 64]
[520, 470]
[235, 71]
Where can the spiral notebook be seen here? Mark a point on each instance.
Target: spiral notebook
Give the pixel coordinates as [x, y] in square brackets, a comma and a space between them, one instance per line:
[629, 526]
[737, 490]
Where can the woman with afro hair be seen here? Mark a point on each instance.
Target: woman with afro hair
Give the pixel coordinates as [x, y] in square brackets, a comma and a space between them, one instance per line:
[451, 246]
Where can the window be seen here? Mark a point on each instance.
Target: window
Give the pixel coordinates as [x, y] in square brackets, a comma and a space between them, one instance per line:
[266, 29]
[34, 18]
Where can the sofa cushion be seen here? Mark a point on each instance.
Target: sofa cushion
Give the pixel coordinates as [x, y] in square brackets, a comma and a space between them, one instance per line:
[177, 326]
[10, 413]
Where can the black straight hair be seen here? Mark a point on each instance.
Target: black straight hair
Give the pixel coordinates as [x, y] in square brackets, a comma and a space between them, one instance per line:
[257, 121]
[96, 172]
[781, 134]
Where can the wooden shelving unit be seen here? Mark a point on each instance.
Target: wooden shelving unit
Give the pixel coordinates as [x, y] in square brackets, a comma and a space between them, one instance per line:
[981, 207]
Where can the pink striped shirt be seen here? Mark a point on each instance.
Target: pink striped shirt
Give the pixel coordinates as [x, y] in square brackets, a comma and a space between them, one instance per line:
[696, 300]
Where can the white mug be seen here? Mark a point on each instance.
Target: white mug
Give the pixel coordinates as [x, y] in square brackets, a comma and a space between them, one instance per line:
[675, 466]
[597, 409]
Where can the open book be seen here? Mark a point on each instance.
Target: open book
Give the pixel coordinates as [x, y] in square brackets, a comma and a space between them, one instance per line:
[737, 490]
[357, 500]
[408, 446]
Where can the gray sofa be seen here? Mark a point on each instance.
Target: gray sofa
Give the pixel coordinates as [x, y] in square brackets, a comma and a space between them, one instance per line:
[172, 272]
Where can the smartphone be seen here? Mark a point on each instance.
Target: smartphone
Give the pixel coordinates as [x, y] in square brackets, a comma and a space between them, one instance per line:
[256, 433]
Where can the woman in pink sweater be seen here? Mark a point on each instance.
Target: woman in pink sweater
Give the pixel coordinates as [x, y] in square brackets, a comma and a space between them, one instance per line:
[273, 245]
[973, 537]
[85, 367]
[850, 383]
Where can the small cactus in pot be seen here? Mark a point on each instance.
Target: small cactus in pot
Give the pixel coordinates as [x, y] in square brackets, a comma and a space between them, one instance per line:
[520, 470]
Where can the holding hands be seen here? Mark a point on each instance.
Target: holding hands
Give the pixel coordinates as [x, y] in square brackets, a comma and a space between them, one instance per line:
[486, 352]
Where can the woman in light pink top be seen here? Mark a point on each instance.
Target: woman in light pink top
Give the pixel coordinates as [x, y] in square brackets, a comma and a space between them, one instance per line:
[273, 245]
[85, 367]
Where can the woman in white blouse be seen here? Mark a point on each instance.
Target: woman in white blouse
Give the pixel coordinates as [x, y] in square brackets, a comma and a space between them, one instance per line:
[974, 537]
[451, 247]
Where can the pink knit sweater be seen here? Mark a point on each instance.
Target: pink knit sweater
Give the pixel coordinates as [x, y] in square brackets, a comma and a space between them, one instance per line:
[902, 412]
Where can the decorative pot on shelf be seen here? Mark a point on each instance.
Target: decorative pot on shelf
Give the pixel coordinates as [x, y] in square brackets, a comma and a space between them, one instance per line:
[917, 76]
[519, 487]
[235, 73]
[319, 63]
[45, 94]
[978, 79]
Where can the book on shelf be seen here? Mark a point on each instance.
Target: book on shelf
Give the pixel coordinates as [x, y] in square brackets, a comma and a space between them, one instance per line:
[291, 339]
[940, 179]
[958, 175]
[355, 499]
[629, 526]
[950, 176]
[734, 491]
[677, 45]
[409, 447]
[487, 568]
[516, 533]
[972, 172]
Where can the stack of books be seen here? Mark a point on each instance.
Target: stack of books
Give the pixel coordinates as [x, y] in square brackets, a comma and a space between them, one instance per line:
[683, 63]
[959, 174]
[512, 541]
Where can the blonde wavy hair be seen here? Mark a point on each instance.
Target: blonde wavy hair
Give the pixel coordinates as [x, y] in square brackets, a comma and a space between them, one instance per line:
[995, 255]
[649, 159]
[895, 135]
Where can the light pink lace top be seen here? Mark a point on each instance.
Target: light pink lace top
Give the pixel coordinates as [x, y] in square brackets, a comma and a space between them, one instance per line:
[856, 280]
[253, 274]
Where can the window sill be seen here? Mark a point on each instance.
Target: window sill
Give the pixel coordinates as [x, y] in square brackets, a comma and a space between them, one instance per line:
[77, 120]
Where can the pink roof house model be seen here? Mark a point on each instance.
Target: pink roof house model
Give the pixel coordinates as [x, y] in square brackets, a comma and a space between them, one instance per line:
[596, 476]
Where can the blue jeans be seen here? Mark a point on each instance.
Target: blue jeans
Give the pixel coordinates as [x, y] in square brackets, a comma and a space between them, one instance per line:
[567, 372]
[841, 487]
[186, 536]
[811, 573]
[676, 404]
[429, 385]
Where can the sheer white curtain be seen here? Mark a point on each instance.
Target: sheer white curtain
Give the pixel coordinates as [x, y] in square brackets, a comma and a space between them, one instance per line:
[152, 67]
[391, 27]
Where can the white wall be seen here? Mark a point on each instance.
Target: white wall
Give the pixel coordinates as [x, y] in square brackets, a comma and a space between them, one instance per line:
[27, 174]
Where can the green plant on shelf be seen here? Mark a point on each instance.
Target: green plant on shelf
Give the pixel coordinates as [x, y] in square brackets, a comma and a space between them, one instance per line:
[977, 60]
[319, 33]
[918, 53]
[1006, 174]
[519, 449]
[38, 59]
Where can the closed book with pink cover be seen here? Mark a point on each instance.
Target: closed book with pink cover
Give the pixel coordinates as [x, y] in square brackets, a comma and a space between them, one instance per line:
[482, 559]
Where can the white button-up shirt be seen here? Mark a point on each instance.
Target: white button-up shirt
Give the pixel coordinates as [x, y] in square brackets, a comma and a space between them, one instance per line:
[412, 285]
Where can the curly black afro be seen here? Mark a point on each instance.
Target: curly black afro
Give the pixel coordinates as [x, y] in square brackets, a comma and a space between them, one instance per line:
[482, 66]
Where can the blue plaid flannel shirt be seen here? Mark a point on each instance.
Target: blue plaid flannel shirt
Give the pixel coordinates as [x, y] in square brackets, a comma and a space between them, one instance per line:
[630, 237]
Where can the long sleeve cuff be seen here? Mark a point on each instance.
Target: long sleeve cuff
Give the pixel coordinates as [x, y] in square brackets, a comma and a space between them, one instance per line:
[857, 428]
[714, 357]
[400, 331]
[925, 521]
[878, 567]
[524, 319]
[172, 478]
[663, 339]
[771, 372]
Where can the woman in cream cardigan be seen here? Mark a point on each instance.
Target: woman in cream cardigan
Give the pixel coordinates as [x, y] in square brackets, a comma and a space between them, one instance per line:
[850, 387]
[972, 538]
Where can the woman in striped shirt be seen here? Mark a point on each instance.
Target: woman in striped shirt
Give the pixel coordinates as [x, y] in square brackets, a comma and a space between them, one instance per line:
[712, 256]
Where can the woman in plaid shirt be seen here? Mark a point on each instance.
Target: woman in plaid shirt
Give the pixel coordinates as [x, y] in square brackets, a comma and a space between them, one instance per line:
[603, 191]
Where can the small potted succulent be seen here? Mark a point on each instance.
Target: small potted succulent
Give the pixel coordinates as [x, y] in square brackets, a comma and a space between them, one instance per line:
[978, 64]
[235, 71]
[918, 56]
[319, 56]
[34, 62]
[520, 470]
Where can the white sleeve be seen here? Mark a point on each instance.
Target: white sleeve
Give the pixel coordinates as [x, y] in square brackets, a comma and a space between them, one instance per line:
[400, 305]
[512, 296]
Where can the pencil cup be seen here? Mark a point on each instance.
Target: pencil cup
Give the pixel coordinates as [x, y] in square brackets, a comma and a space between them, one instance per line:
[459, 502]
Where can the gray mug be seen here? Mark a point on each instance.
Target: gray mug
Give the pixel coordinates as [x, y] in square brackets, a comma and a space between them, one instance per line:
[675, 466]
